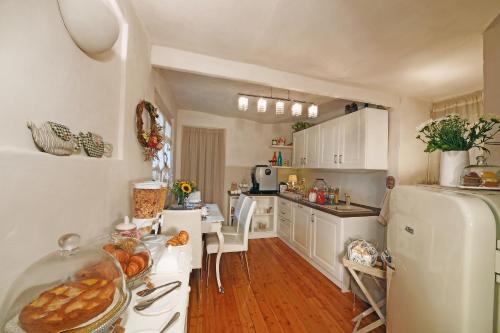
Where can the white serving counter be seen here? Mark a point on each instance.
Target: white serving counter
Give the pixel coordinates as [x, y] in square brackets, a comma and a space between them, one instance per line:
[135, 322]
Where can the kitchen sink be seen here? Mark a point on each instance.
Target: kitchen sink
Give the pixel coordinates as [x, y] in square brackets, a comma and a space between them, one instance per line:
[348, 208]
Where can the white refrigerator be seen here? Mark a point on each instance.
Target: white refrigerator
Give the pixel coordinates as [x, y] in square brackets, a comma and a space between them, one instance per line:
[443, 243]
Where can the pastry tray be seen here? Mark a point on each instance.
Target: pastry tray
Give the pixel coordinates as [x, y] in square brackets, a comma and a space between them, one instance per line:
[101, 323]
[481, 188]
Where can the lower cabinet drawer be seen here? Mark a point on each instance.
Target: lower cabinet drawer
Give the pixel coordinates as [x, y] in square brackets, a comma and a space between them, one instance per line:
[285, 209]
[284, 228]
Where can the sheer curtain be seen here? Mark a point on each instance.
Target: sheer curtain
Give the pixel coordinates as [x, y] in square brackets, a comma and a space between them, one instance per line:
[203, 159]
[470, 107]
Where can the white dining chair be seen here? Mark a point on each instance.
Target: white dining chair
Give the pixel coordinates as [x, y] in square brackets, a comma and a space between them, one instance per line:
[189, 220]
[236, 218]
[234, 242]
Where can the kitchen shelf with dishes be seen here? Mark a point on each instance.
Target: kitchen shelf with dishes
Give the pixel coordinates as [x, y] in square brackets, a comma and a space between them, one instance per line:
[263, 224]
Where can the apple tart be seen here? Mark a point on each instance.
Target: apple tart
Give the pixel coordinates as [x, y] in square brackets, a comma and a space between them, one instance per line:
[67, 305]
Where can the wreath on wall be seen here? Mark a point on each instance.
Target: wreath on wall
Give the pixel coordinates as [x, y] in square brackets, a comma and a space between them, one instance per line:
[151, 141]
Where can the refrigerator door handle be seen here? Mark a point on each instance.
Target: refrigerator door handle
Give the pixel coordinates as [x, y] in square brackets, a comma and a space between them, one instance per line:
[497, 266]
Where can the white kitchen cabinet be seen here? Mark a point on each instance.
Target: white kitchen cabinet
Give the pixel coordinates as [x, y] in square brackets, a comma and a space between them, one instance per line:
[301, 228]
[299, 149]
[284, 219]
[311, 154]
[356, 141]
[325, 242]
[284, 229]
[265, 219]
[329, 136]
[320, 238]
[351, 138]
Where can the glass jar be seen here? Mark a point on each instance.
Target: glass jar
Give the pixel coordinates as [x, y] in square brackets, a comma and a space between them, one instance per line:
[481, 175]
[78, 289]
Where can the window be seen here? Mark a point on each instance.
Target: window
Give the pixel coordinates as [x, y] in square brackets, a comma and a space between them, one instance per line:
[162, 165]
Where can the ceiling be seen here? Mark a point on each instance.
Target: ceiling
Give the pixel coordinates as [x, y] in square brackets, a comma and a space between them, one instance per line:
[430, 49]
[220, 97]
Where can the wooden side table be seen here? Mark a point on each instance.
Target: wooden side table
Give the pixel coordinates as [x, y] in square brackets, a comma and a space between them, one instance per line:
[375, 273]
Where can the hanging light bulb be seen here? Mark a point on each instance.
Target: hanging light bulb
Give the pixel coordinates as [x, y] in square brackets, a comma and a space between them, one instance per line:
[312, 111]
[296, 109]
[261, 105]
[243, 103]
[280, 107]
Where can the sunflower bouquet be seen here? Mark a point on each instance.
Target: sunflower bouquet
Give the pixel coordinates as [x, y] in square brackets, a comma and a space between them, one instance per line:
[182, 189]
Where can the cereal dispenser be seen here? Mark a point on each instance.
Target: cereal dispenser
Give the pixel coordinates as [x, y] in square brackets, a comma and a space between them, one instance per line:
[148, 201]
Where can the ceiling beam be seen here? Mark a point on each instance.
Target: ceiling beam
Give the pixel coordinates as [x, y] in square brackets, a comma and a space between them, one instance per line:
[179, 60]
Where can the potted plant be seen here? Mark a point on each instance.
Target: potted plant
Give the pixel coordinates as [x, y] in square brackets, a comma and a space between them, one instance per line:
[454, 136]
[182, 189]
[301, 125]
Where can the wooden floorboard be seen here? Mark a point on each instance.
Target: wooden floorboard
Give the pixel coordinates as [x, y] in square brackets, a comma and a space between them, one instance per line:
[286, 294]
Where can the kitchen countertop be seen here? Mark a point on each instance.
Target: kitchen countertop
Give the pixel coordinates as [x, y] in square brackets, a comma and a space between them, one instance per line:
[373, 211]
[252, 194]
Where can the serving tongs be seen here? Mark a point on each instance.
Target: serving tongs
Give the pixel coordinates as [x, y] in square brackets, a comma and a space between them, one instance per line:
[146, 292]
[147, 303]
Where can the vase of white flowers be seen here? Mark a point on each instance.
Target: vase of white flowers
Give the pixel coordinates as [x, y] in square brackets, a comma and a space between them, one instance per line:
[451, 166]
[454, 137]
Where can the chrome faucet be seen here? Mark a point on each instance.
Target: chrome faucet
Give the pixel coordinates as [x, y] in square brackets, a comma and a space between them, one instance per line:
[347, 199]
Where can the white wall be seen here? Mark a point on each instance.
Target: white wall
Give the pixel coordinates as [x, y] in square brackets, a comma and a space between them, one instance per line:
[407, 160]
[45, 76]
[491, 54]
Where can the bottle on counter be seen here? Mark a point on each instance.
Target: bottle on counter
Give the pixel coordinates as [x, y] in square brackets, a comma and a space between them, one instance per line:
[337, 196]
[280, 159]
[274, 160]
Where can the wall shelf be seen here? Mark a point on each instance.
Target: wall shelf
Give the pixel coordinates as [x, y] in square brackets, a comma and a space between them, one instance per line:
[282, 167]
[281, 147]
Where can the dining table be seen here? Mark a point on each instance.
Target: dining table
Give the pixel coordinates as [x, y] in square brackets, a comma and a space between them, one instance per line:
[212, 223]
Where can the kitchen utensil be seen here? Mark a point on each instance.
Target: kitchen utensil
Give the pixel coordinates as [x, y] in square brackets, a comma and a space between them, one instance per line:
[147, 303]
[146, 292]
[170, 322]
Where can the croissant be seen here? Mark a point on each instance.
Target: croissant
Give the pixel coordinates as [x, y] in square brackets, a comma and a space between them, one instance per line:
[121, 255]
[183, 237]
[144, 256]
[109, 248]
[139, 261]
[132, 269]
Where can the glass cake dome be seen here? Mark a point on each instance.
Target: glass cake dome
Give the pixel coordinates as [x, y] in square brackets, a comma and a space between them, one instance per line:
[481, 175]
[82, 289]
[132, 255]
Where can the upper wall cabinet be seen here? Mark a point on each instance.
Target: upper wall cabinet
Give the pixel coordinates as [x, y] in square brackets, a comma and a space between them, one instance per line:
[355, 141]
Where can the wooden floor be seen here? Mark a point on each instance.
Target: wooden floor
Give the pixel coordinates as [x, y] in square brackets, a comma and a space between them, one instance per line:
[286, 295]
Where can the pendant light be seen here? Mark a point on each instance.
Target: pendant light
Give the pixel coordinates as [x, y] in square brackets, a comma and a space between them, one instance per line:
[296, 109]
[243, 103]
[261, 105]
[280, 107]
[312, 111]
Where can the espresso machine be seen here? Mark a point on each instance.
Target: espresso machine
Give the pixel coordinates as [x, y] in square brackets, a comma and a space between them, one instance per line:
[264, 179]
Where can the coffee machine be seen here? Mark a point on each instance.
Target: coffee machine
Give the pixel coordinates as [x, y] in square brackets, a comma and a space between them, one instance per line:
[264, 179]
